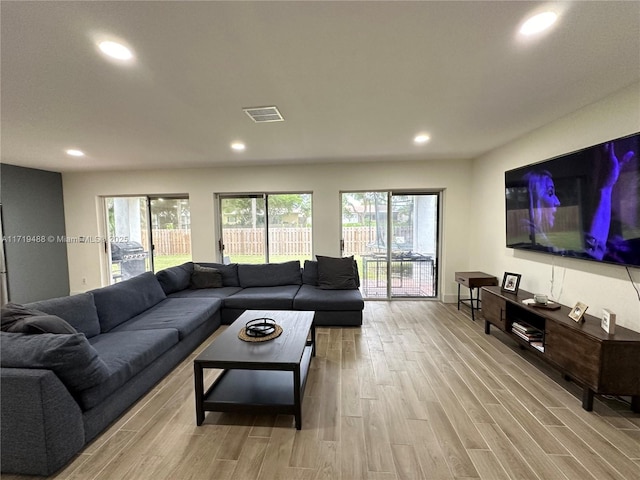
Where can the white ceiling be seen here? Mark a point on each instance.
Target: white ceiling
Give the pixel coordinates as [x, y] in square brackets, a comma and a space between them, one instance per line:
[355, 81]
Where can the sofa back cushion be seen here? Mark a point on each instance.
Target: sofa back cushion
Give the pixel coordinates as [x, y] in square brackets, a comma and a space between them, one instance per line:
[229, 273]
[79, 311]
[70, 357]
[175, 279]
[270, 274]
[310, 273]
[119, 302]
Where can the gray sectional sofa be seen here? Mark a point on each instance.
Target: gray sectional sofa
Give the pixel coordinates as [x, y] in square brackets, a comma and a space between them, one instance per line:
[60, 390]
[276, 286]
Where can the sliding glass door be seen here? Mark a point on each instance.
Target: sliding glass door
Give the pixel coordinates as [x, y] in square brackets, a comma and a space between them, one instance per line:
[262, 228]
[128, 242]
[146, 233]
[394, 238]
[170, 231]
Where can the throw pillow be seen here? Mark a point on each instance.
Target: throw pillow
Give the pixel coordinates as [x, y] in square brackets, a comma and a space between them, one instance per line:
[336, 273]
[71, 357]
[12, 313]
[205, 277]
[229, 273]
[42, 324]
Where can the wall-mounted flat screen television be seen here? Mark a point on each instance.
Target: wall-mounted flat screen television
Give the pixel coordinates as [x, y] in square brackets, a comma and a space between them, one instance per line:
[585, 204]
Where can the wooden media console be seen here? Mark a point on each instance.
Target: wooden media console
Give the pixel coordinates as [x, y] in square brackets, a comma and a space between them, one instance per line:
[601, 363]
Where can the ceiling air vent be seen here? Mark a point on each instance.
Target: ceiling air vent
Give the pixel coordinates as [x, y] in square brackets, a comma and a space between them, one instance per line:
[264, 114]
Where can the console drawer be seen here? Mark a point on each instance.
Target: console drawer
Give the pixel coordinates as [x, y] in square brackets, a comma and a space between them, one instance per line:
[576, 354]
[494, 309]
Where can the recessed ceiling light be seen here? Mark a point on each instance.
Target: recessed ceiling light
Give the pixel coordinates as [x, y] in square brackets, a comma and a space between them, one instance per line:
[238, 146]
[74, 153]
[538, 23]
[421, 138]
[115, 50]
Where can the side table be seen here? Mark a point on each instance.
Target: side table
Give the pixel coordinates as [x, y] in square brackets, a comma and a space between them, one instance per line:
[473, 280]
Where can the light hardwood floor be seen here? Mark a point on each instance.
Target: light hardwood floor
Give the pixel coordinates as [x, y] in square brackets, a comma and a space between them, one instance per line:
[419, 392]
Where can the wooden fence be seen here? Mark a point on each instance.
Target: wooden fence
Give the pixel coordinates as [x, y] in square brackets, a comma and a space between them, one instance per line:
[250, 241]
[170, 242]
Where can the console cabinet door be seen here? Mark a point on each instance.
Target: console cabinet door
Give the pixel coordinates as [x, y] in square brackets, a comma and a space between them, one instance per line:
[494, 308]
[576, 354]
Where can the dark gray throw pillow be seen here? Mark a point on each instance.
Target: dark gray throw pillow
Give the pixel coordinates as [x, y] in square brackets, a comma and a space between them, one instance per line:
[12, 313]
[205, 277]
[42, 324]
[336, 273]
[229, 273]
[71, 357]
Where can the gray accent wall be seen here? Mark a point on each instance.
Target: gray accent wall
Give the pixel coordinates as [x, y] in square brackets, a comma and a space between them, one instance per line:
[32, 206]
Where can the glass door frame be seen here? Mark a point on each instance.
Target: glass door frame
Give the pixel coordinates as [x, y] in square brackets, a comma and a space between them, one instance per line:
[108, 237]
[390, 239]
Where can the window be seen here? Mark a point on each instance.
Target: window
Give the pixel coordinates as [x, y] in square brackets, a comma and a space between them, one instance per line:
[266, 227]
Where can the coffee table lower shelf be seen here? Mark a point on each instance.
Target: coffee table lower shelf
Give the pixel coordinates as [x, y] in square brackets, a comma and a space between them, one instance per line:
[258, 390]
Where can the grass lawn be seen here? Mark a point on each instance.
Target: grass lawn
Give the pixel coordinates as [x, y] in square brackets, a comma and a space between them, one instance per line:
[160, 262]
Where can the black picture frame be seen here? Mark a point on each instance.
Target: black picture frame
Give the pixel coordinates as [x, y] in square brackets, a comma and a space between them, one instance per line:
[510, 282]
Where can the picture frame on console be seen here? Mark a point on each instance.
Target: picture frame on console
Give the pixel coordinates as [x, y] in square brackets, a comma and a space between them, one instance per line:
[510, 282]
[577, 312]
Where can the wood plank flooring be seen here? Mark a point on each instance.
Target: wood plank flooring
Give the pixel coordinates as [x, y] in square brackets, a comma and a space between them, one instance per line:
[419, 392]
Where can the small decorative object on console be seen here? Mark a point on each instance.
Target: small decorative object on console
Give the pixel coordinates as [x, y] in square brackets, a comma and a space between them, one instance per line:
[540, 298]
[549, 305]
[608, 323]
[577, 311]
[510, 282]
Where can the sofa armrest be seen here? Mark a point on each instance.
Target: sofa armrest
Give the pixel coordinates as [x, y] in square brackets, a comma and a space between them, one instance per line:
[42, 426]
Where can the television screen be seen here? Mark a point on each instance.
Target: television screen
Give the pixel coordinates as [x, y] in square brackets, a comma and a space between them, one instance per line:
[584, 204]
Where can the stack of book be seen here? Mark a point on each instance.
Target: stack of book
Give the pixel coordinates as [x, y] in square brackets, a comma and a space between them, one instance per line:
[529, 334]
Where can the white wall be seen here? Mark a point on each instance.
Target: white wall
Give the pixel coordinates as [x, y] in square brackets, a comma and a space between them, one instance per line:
[82, 192]
[598, 285]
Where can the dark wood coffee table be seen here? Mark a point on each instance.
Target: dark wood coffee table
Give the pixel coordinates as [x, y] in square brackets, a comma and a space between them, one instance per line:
[266, 377]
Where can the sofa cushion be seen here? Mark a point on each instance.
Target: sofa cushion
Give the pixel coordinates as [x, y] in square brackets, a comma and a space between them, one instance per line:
[126, 354]
[229, 273]
[183, 314]
[310, 273]
[205, 277]
[318, 299]
[223, 292]
[263, 298]
[119, 302]
[174, 279]
[337, 273]
[270, 274]
[70, 357]
[79, 311]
